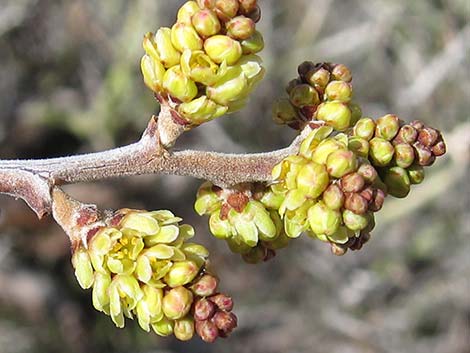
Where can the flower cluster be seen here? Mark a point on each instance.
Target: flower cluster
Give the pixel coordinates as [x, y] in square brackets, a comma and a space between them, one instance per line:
[241, 217]
[205, 65]
[140, 264]
[321, 92]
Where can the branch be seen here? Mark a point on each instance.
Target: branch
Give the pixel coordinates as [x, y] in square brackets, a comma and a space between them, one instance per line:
[32, 180]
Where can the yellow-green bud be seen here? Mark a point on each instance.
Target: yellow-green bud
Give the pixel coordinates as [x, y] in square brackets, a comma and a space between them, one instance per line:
[169, 56]
[150, 46]
[153, 72]
[339, 91]
[223, 48]
[387, 127]
[164, 327]
[187, 11]
[341, 72]
[252, 67]
[226, 9]
[318, 78]
[179, 85]
[364, 128]
[359, 146]
[201, 110]
[341, 236]
[181, 273]
[199, 67]
[312, 179]
[397, 181]
[325, 148]
[149, 308]
[353, 221]
[340, 163]
[230, 87]
[184, 328]
[100, 297]
[333, 197]
[254, 44]
[356, 113]
[83, 269]
[184, 36]
[240, 27]
[219, 228]
[304, 94]
[177, 303]
[206, 23]
[335, 114]
[381, 151]
[404, 155]
[323, 220]
[416, 174]
[283, 111]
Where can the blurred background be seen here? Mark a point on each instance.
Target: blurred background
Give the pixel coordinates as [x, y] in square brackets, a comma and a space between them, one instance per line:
[70, 83]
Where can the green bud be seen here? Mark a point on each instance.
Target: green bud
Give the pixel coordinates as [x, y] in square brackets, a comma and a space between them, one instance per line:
[341, 73]
[254, 44]
[283, 111]
[164, 327]
[381, 151]
[416, 174]
[364, 128]
[187, 11]
[325, 148]
[201, 110]
[397, 181]
[184, 328]
[153, 72]
[333, 197]
[232, 86]
[359, 146]
[312, 180]
[240, 27]
[206, 23]
[169, 56]
[83, 269]
[304, 94]
[220, 48]
[356, 113]
[318, 78]
[179, 85]
[387, 127]
[353, 221]
[404, 155]
[184, 36]
[339, 91]
[334, 114]
[323, 220]
[340, 163]
[177, 303]
[181, 273]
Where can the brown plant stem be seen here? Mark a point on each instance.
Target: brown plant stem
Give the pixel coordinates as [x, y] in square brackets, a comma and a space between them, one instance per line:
[33, 180]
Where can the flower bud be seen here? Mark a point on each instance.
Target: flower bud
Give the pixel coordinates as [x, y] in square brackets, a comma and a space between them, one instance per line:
[359, 146]
[150, 46]
[312, 179]
[352, 182]
[354, 221]
[184, 329]
[325, 148]
[334, 114]
[179, 85]
[304, 94]
[397, 181]
[368, 172]
[364, 128]
[240, 27]
[416, 174]
[423, 154]
[220, 48]
[207, 330]
[318, 77]
[341, 236]
[232, 86]
[404, 155]
[356, 203]
[323, 220]
[205, 286]
[199, 67]
[341, 73]
[381, 151]
[439, 149]
[177, 303]
[169, 56]
[187, 11]
[428, 136]
[222, 301]
[206, 4]
[153, 72]
[201, 110]
[254, 44]
[339, 91]
[164, 327]
[226, 9]
[387, 127]
[283, 111]
[406, 134]
[184, 36]
[225, 322]
[333, 197]
[181, 273]
[247, 6]
[204, 309]
[338, 249]
[340, 163]
[356, 113]
[255, 15]
[83, 269]
[206, 23]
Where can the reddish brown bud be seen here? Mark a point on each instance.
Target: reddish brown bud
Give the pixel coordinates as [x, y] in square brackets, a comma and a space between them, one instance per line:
[205, 286]
[225, 322]
[204, 309]
[222, 301]
[352, 182]
[377, 203]
[406, 134]
[439, 149]
[207, 330]
[418, 125]
[338, 249]
[356, 203]
[255, 15]
[304, 68]
[368, 172]
[428, 136]
[368, 194]
[424, 154]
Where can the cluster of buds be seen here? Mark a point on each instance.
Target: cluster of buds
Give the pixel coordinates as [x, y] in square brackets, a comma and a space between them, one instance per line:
[140, 264]
[241, 217]
[321, 92]
[399, 151]
[205, 66]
